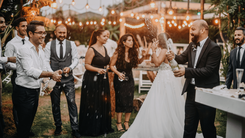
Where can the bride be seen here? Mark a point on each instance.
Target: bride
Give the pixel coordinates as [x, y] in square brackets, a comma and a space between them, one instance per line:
[162, 113]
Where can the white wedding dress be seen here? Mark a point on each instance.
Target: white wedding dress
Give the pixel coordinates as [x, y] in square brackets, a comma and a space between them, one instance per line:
[162, 113]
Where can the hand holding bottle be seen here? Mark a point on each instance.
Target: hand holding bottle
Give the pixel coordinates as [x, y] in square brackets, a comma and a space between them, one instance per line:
[180, 72]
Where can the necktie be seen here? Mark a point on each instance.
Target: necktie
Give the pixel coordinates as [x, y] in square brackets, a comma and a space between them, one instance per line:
[238, 58]
[23, 40]
[61, 50]
[198, 44]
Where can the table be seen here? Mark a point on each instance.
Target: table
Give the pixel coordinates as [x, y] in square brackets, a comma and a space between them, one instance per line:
[226, 100]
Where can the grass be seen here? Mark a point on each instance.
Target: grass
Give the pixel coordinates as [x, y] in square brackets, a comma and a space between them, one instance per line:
[43, 125]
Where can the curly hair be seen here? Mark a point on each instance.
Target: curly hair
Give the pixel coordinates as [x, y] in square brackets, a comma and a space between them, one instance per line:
[132, 53]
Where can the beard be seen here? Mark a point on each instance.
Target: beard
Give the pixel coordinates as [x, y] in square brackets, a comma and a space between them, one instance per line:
[194, 38]
[240, 42]
[61, 38]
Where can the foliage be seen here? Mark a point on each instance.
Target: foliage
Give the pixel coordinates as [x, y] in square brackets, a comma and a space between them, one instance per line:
[114, 31]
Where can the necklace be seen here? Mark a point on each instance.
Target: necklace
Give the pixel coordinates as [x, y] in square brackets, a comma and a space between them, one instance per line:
[101, 48]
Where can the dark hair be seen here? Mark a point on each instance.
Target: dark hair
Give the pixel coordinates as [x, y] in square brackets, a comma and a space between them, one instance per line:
[132, 53]
[17, 21]
[241, 28]
[60, 25]
[33, 26]
[1, 15]
[162, 41]
[93, 38]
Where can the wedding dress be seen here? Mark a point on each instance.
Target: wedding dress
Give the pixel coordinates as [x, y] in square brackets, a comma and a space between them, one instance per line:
[162, 113]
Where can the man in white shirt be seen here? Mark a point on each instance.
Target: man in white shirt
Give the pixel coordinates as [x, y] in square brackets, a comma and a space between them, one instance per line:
[30, 68]
[11, 49]
[110, 45]
[62, 54]
[237, 58]
[3, 60]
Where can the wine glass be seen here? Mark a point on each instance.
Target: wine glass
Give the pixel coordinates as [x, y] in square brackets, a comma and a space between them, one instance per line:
[239, 74]
[125, 78]
[122, 73]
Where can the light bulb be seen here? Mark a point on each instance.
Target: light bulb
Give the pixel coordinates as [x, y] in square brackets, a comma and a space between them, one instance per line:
[95, 22]
[179, 27]
[170, 25]
[73, 2]
[109, 22]
[175, 24]
[152, 16]
[216, 21]
[114, 22]
[121, 14]
[132, 14]
[73, 22]
[137, 17]
[120, 20]
[174, 17]
[156, 20]
[80, 24]
[91, 22]
[143, 16]
[113, 12]
[69, 19]
[87, 6]
[100, 9]
[152, 4]
[103, 19]
[87, 23]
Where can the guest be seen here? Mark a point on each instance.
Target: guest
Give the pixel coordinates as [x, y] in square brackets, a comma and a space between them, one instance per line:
[125, 58]
[30, 68]
[62, 54]
[11, 49]
[95, 108]
[236, 58]
[3, 60]
[110, 45]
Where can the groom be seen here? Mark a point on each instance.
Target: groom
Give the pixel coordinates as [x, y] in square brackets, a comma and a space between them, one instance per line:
[203, 57]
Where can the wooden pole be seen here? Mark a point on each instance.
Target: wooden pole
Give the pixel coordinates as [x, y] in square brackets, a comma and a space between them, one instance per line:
[202, 9]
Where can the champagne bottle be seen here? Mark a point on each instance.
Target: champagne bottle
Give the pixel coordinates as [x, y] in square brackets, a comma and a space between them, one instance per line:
[174, 65]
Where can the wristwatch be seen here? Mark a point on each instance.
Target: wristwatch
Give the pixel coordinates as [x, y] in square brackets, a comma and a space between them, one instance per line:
[70, 69]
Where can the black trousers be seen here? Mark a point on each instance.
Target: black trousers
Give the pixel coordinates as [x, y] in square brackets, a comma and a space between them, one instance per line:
[16, 121]
[195, 112]
[26, 102]
[69, 90]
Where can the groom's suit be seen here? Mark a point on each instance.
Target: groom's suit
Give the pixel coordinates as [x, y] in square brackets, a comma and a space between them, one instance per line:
[206, 75]
[231, 74]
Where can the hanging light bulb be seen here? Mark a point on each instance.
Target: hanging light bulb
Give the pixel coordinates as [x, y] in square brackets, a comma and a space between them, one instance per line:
[174, 17]
[170, 25]
[59, 22]
[54, 4]
[100, 9]
[52, 20]
[152, 4]
[132, 14]
[187, 17]
[69, 19]
[121, 14]
[109, 22]
[156, 20]
[216, 21]
[95, 22]
[102, 23]
[170, 11]
[179, 27]
[112, 11]
[120, 20]
[87, 22]
[66, 22]
[137, 17]
[114, 22]
[91, 22]
[172, 21]
[152, 16]
[162, 17]
[168, 22]
[80, 24]
[183, 25]
[189, 25]
[103, 19]
[87, 6]
[143, 16]
[161, 21]
[73, 2]
[175, 24]
[73, 22]
[60, 1]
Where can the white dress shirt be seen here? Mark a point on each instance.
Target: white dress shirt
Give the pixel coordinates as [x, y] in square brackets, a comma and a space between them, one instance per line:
[2, 59]
[73, 53]
[198, 51]
[241, 52]
[110, 47]
[29, 66]
[11, 49]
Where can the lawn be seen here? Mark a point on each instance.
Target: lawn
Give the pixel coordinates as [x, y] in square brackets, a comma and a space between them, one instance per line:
[43, 125]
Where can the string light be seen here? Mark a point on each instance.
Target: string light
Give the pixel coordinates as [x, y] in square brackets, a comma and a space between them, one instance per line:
[120, 20]
[170, 12]
[114, 22]
[80, 24]
[113, 12]
[100, 9]
[66, 22]
[152, 16]
[216, 21]
[132, 14]
[87, 6]
[170, 25]
[103, 19]
[179, 27]
[134, 26]
[121, 14]
[137, 17]
[174, 17]
[152, 4]
[59, 22]
[109, 22]
[95, 22]
[91, 22]
[87, 22]
[73, 2]
[102, 23]
[52, 20]
[69, 19]
[168, 22]
[143, 16]
[54, 4]
[161, 20]
[183, 25]
[156, 20]
[187, 17]
[189, 25]
[172, 21]
[175, 24]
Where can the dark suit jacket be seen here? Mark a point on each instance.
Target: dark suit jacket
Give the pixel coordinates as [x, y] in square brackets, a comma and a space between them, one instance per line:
[231, 74]
[206, 73]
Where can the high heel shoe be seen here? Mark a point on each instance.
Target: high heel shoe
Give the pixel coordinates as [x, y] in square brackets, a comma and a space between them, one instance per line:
[120, 130]
[126, 122]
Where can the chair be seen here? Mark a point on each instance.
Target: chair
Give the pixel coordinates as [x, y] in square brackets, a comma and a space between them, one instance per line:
[7, 79]
[144, 82]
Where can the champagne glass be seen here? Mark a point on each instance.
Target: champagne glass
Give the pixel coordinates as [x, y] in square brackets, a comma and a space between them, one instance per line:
[239, 74]
[105, 68]
[122, 73]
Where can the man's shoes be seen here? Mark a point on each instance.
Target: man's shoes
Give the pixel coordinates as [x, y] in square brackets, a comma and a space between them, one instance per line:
[31, 134]
[57, 131]
[76, 134]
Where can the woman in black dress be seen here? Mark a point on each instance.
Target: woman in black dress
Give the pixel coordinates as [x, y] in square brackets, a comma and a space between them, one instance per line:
[95, 107]
[125, 58]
